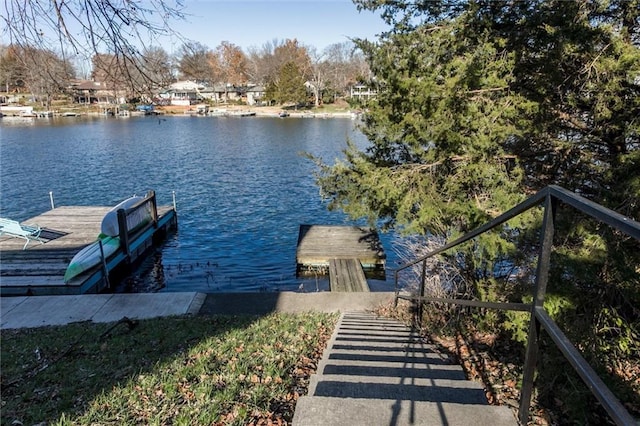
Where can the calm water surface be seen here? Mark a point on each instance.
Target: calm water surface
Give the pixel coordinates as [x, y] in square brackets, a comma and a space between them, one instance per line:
[241, 185]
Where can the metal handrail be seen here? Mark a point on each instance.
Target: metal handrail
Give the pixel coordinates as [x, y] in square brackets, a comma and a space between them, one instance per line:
[539, 318]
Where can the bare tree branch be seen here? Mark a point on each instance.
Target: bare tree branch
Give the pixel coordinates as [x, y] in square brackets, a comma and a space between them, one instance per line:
[122, 28]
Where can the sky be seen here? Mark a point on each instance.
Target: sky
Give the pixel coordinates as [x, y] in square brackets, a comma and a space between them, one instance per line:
[251, 23]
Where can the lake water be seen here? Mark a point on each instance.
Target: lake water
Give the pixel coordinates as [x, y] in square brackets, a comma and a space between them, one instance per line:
[241, 184]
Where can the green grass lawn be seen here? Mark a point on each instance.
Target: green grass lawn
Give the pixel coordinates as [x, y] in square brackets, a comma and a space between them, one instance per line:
[185, 370]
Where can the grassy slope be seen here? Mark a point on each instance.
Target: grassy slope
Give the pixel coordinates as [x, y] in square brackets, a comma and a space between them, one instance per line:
[187, 370]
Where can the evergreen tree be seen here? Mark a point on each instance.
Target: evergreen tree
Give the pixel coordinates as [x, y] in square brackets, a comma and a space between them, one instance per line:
[290, 86]
[483, 102]
[443, 109]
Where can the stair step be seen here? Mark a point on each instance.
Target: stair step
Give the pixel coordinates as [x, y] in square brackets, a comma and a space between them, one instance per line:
[461, 391]
[447, 372]
[378, 371]
[403, 387]
[328, 411]
[389, 349]
[389, 357]
[361, 327]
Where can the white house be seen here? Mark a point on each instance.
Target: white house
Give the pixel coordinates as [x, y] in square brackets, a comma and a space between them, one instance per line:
[363, 92]
[255, 95]
[188, 93]
[184, 93]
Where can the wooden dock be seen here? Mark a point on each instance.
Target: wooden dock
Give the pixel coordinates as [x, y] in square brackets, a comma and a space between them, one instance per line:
[39, 270]
[317, 244]
[344, 252]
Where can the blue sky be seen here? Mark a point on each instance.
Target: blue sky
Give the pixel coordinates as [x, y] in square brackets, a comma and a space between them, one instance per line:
[247, 23]
[252, 23]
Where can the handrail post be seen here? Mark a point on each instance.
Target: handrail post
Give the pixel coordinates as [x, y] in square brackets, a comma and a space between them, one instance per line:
[397, 290]
[423, 279]
[542, 279]
[124, 232]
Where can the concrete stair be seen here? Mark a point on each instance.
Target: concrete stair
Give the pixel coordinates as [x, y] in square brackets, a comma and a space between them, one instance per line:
[377, 371]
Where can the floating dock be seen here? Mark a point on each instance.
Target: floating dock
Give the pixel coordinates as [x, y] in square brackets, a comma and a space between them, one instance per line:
[39, 270]
[342, 252]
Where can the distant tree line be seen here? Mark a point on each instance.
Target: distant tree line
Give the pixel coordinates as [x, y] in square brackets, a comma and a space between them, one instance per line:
[282, 66]
[289, 71]
[37, 71]
[50, 42]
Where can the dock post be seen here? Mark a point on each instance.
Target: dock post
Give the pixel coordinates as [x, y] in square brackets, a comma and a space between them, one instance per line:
[154, 207]
[175, 210]
[51, 199]
[124, 233]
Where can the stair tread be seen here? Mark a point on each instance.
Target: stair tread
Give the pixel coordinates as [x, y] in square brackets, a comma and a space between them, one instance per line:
[349, 385]
[443, 391]
[313, 411]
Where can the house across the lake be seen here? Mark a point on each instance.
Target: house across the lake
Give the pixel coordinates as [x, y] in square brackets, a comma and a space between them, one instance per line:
[92, 92]
[183, 93]
[188, 93]
[362, 92]
[255, 95]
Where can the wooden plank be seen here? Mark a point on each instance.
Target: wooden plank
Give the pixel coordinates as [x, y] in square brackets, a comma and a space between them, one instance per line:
[33, 269]
[44, 262]
[335, 280]
[26, 281]
[30, 255]
[347, 275]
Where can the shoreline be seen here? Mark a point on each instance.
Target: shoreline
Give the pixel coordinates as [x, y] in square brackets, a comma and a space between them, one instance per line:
[244, 110]
[226, 111]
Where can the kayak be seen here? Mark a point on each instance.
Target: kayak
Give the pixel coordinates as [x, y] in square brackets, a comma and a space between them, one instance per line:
[90, 256]
[110, 225]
